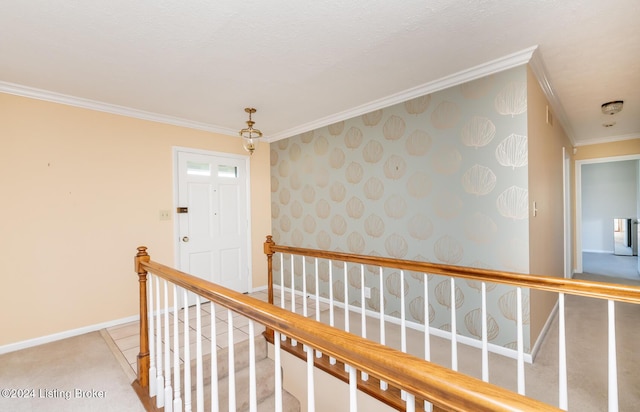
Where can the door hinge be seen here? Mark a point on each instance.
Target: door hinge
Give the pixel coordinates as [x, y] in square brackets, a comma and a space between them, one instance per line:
[182, 210]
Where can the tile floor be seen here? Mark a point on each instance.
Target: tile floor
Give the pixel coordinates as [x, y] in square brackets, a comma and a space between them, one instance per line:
[127, 340]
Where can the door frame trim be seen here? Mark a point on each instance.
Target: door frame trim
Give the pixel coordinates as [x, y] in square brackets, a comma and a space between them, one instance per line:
[176, 229]
[566, 206]
[578, 172]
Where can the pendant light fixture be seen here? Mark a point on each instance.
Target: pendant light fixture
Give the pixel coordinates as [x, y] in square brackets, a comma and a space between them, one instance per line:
[610, 109]
[249, 134]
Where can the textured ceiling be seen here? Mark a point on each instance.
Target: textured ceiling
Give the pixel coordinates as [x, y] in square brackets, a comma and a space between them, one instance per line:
[304, 64]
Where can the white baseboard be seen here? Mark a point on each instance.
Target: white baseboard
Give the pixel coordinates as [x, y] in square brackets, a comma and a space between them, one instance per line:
[544, 331]
[12, 347]
[260, 289]
[609, 252]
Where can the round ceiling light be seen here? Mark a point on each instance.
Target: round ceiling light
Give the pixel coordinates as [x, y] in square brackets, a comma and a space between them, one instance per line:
[612, 108]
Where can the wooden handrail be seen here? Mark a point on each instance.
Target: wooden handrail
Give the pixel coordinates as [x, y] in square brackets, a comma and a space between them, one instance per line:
[621, 293]
[446, 389]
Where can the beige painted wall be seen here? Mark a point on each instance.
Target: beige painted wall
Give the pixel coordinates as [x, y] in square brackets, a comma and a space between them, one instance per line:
[620, 148]
[546, 239]
[81, 190]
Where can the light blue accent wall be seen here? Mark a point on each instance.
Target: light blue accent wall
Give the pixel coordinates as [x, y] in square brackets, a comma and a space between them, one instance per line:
[440, 178]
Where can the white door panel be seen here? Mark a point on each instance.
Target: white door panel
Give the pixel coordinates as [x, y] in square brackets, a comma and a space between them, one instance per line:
[213, 235]
[230, 263]
[201, 264]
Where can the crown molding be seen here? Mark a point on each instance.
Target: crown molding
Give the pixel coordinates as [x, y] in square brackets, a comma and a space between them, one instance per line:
[482, 70]
[540, 72]
[609, 139]
[529, 55]
[39, 94]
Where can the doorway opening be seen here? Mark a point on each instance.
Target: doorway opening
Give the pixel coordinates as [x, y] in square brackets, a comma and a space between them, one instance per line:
[606, 190]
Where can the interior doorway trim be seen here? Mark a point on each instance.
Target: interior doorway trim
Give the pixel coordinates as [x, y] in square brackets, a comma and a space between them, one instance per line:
[566, 206]
[579, 164]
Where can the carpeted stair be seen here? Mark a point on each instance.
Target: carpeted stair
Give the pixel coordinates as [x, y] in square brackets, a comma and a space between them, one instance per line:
[265, 378]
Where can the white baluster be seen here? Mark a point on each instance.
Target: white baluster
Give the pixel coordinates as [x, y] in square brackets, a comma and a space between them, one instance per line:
[562, 356]
[346, 303]
[304, 287]
[317, 291]
[311, 402]
[427, 335]
[199, 371]
[353, 388]
[332, 360]
[363, 375]
[410, 402]
[214, 360]
[521, 385]
[331, 320]
[346, 298]
[613, 363]
[152, 340]
[278, 372]
[160, 375]
[318, 353]
[485, 339]
[293, 296]
[177, 398]
[383, 385]
[403, 316]
[282, 280]
[232, 362]
[253, 398]
[293, 288]
[168, 390]
[454, 330]
[403, 326]
[282, 292]
[187, 353]
[363, 317]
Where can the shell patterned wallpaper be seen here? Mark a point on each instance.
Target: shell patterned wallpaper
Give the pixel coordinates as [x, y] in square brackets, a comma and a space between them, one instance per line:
[439, 178]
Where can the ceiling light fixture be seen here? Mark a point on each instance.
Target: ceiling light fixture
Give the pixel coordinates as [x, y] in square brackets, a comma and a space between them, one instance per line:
[612, 108]
[249, 134]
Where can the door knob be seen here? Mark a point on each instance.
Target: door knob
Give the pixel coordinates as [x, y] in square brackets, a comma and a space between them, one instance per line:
[185, 239]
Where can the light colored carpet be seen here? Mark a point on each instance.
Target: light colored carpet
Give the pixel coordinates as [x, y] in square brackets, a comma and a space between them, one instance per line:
[586, 325]
[586, 336]
[610, 265]
[66, 375]
[606, 279]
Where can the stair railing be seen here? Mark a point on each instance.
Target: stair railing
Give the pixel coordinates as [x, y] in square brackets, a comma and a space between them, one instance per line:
[293, 259]
[415, 377]
[172, 331]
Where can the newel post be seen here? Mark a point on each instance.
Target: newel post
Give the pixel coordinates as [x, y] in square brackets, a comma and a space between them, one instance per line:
[269, 252]
[143, 355]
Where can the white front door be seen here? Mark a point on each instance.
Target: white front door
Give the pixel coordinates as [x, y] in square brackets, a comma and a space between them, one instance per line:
[213, 232]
